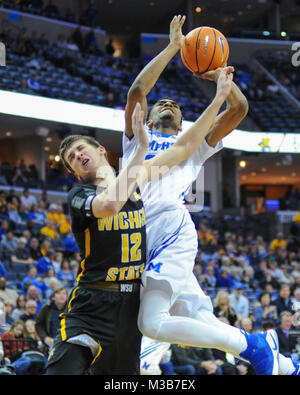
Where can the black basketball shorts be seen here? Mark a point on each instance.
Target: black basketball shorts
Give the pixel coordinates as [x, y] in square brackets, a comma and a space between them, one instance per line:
[110, 318]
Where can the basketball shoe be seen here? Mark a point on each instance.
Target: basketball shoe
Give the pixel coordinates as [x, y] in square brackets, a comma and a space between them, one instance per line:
[262, 352]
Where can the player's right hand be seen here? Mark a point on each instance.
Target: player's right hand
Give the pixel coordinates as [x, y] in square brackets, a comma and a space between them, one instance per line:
[176, 36]
[224, 83]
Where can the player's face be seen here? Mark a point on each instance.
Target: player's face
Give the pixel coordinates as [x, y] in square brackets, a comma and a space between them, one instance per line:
[84, 158]
[166, 113]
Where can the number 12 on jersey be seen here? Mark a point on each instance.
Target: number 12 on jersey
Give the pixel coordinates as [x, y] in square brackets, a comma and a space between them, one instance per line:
[131, 251]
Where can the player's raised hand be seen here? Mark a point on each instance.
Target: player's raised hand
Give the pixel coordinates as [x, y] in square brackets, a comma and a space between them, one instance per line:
[176, 36]
[224, 83]
[138, 127]
[213, 75]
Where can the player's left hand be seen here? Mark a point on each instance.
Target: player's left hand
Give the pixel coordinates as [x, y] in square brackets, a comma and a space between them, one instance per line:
[213, 75]
[138, 127]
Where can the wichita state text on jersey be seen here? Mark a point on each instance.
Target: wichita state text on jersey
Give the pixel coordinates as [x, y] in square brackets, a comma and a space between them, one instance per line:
[125, 232]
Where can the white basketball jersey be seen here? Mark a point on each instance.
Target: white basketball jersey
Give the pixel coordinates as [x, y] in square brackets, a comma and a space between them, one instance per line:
[167, 192]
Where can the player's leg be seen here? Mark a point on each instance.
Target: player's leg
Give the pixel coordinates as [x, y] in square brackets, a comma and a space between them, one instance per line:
[156, 322]
[193, 303]
[69, 359]
[169, 267]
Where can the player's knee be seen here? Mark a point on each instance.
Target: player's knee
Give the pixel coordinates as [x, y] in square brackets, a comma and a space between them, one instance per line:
[148, 324]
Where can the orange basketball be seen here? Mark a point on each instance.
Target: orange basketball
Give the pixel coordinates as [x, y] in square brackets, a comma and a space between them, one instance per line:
[205, 48]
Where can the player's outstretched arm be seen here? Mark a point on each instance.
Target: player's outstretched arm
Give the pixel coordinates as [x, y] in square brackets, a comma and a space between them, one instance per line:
[231, 117]
[111, 201]
[189, 141]
[147, 78]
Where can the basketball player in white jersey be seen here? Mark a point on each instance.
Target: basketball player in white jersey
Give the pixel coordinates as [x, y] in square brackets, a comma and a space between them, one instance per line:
[173, 307]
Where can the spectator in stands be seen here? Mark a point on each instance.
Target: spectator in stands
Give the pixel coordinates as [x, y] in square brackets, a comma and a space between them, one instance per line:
[65, 227]
[34, 249]
[31, 311]
[45, 263]
[109, 48]
[278, 242]
[287, 343]
[192, 360]
[204, 234]
[47, 321]
[247, 279]
[209, 279]
[70, 244]
[3, 270]
[52, 213]
[31, 335]
[197, 270]
[37, 215]
[32, 83]
[34, 293]
[4, 226]
[247, 324]
[4, 212]
[7, 294]
[8, 245]
[223, 308]
[264, 311]
[61, 41]
[3, 326]
[32, 279]
[239, 302]
[14, 341]
[274, 270]
[66, 275]
[19, 172]
[27, 199]
[13, 214]
[49, 276]
[296, 297]
[78, 38]
[52, 284]
[90, 39]
[34, 62]
[287, 277]
[60, 217]
[8, 308]
[266, 278]
[25, 89]
[45, 246]
[224, 279]
[20, 307]
[281, 256]
[261, 246]
[57, 260]
[72, 46]
[49, 230]
[284, 301]
[22, 254]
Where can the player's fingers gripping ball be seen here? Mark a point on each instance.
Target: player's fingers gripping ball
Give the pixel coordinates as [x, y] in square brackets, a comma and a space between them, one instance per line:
[204, 49]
